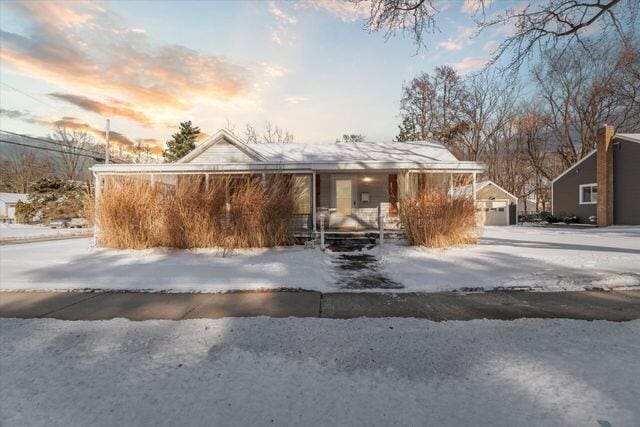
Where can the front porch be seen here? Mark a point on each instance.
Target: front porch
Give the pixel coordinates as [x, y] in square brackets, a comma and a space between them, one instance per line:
[348, 202]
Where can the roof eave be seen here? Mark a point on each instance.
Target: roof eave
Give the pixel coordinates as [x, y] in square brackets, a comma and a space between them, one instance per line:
[458, 167]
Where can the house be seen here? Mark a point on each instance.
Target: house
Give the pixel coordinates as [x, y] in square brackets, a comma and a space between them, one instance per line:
[496, 205]
[348, 186]
[8, 204]
[605, 184]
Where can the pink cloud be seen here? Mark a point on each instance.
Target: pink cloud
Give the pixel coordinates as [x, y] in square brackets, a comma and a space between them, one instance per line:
[82, 45]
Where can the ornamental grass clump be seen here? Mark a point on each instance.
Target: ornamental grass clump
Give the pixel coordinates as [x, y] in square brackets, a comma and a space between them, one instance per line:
[185, 212]
[434, 219]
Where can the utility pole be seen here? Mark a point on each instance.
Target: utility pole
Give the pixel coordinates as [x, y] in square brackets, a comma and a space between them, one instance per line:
[106, 146]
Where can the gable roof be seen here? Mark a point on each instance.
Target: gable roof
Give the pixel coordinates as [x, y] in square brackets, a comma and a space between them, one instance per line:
[217, 137]
[466, 190]
[573, 166]
[632, 137]
[419, 155]
[418, 151]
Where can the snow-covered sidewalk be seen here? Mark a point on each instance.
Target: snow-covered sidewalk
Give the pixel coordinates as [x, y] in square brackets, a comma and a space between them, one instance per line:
[533, 258]
[263, 371]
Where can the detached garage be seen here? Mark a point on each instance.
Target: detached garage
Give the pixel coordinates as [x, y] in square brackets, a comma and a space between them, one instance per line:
[496, 206]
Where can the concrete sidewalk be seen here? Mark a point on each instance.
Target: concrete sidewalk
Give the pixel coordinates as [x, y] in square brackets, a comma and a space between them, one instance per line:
[590, 305]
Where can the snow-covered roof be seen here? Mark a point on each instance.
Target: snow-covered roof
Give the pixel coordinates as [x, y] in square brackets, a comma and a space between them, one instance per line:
[467, 190]
[13, 197]
[420, 152]
[633, 137]
[303, 158]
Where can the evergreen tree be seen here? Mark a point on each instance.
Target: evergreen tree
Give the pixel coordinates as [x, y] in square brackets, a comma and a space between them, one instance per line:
[181, 142]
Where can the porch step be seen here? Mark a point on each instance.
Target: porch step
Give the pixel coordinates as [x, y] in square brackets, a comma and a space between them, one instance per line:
[342, 244]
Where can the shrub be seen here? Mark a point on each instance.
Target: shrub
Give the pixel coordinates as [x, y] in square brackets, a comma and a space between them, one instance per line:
[548, 217]
[51, 198]
[434, 219]
[135, 213]
[25, 212]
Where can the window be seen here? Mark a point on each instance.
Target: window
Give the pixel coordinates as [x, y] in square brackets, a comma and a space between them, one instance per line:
[588, 194]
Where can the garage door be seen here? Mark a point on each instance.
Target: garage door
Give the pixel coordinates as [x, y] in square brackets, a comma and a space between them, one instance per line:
[496, 212]
[11, 211]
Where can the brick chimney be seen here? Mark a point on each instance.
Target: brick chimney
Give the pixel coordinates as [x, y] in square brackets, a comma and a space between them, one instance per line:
[604, 175]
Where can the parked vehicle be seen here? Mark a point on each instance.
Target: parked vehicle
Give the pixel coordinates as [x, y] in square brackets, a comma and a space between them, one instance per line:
[77, 223]
[68, 223]
[59, 223]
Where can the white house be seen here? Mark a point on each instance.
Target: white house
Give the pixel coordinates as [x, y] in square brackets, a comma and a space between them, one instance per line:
[8, 204]
[350, 185]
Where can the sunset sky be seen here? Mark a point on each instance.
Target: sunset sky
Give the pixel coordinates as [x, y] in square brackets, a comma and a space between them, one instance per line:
[309, 67]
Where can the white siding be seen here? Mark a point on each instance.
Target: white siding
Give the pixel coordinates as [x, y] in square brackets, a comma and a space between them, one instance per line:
[223, 152]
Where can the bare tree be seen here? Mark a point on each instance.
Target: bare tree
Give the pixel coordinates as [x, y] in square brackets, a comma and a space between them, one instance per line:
[415, 17]
[560, 24]
[430, 108]
[537, 27]
[271, 134]
[74, 146]
[20, 167]
[579, 93]
[488, 106]
[508, 164]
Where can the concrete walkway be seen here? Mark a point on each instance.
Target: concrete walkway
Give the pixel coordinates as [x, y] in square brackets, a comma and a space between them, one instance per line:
[591, 305]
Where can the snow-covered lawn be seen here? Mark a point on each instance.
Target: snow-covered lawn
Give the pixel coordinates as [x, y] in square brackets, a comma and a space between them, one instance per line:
[24, 231]
[506, 257]
[535, 258]
[264, 371]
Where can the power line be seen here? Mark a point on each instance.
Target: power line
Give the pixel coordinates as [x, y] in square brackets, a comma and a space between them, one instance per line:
[26, 94]
[91, 153]
[50, 141]
[96, 158]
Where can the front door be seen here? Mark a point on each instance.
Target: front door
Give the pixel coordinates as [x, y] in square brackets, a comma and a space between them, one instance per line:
[344, 200]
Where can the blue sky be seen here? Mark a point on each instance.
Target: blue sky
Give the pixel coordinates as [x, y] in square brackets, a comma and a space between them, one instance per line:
[309, 67]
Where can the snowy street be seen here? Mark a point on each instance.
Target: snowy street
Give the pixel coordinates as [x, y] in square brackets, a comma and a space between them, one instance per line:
[258, 371]
[517, 257]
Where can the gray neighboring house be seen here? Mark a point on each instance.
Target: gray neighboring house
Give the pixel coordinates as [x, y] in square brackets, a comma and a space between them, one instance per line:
[605, 184]
[8, 204]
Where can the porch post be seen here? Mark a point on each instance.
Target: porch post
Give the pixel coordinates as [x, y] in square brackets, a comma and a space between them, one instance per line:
[450, 184]
[407, 176]
[97, 189]
[473, 186]
[313, 200]
[227, 203]
[206, 182]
